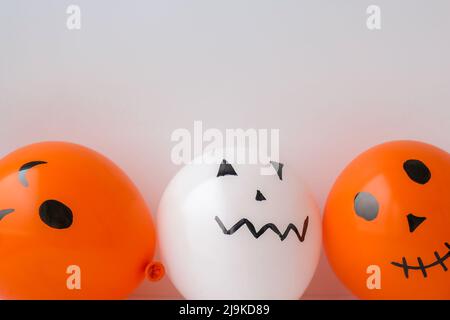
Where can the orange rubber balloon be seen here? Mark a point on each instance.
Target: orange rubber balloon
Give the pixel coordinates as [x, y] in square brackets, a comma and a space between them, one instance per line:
[72, 225]
[387, 223]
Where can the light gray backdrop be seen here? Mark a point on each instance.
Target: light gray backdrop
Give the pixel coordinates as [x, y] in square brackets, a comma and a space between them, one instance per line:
[137, 70]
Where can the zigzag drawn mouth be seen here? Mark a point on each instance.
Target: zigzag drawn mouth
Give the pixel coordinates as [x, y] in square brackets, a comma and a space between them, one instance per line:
[439, 261]
[257, 234]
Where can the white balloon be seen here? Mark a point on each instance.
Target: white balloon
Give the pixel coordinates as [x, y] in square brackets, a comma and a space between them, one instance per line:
[211, 252]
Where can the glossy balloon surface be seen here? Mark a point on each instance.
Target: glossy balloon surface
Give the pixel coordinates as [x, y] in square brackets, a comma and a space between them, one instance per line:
[388, 218]
[63, 205]
[227, 231]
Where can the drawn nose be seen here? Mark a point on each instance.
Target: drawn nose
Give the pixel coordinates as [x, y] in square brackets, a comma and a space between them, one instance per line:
[259, 196]
[414, 221]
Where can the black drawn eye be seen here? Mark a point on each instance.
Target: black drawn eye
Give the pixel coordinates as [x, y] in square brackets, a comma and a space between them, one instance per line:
[417, 171]
[278, 168]
[5, 212]
[24, 169]
[366, 206]
[56, 214]
[226, 169]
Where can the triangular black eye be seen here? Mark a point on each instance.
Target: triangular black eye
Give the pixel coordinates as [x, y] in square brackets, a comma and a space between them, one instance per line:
[417, 171]
[278, 168]
[4, 212]
[226, 169]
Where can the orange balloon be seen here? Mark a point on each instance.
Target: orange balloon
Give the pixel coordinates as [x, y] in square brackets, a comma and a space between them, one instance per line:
[72, 225]
[387, 223]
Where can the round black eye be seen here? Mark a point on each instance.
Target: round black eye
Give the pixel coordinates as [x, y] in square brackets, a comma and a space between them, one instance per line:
[366, 206]
[417, 171]
[56, 214]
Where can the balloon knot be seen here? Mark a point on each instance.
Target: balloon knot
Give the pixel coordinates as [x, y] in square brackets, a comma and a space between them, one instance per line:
[155, 271]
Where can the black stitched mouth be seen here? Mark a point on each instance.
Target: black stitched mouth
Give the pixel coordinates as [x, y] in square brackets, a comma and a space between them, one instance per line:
[257, 234]
[422, 267]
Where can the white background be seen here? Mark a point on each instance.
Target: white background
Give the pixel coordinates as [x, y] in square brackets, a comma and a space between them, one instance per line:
[137, 70]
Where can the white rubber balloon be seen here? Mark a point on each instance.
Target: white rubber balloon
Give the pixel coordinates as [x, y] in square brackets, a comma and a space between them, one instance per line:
[211, 252]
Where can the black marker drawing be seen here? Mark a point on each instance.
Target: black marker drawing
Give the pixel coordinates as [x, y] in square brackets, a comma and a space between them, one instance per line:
[23, 170]
[278, 168]
[257, 234]
[4, 212]
[226, 169]
[422, 267]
